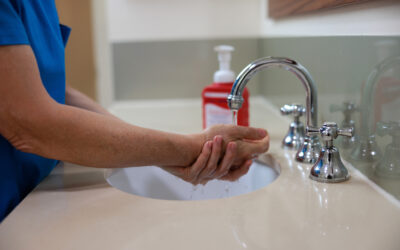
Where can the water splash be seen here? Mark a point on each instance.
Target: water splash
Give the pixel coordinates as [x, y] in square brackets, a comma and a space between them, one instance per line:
[234, 117]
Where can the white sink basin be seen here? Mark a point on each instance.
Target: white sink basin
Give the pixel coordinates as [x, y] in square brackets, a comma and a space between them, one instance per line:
[153, 182]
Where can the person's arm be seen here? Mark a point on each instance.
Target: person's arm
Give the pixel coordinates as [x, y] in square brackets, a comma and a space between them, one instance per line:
[211, 164]
[77, 99]
[33, 122]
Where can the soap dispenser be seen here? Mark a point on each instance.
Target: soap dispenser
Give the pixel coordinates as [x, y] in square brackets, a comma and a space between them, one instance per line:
[215, 107]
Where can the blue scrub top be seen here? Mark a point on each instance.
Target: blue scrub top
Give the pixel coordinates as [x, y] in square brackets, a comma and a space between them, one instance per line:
[34, 23]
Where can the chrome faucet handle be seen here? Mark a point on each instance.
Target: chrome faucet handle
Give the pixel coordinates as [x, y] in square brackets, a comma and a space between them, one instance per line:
[389, 165]
[295, 135]
[329, 132]
[297, 110]
[329, 166]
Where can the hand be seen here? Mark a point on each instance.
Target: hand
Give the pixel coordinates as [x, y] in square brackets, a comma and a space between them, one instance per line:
[208, 165]
[250, 141]
[238, 145]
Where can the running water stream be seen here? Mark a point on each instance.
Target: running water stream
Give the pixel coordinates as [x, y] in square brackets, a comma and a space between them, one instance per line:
[234, 117]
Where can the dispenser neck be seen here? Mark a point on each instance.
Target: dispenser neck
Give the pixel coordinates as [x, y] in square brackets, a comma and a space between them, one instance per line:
[224, 74]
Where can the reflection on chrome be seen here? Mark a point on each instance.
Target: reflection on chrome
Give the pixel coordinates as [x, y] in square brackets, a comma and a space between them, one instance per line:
[326, 221]
[389, 166]
[347, 108]
[366, 147]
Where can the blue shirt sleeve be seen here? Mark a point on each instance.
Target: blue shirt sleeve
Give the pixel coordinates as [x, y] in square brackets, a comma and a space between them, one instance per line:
[65, 32]
[12, 30]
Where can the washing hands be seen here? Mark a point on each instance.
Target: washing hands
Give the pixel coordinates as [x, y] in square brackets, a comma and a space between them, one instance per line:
[226, 154]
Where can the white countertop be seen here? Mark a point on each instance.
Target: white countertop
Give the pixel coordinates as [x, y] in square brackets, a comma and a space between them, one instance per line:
[75, 208]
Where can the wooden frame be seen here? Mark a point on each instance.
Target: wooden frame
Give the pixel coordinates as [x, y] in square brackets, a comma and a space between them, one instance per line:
[284, 8]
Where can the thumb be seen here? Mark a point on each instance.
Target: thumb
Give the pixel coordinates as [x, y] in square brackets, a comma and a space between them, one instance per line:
[250, 133]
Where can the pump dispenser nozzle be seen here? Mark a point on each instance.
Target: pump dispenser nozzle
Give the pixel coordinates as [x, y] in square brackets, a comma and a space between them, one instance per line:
[224, 74]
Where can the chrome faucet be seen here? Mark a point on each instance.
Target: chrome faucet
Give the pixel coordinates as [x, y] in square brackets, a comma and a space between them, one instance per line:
[329, 167]
[310, 149]
[347, 108]
[366, 147]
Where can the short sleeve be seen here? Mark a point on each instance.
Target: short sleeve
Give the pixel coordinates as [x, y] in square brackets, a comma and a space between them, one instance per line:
[65, 32]
[12, 30]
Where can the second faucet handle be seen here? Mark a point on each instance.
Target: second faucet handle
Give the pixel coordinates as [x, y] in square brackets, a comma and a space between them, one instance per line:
[329, 132]
[329, 167]
[297, 110]
[295, 135]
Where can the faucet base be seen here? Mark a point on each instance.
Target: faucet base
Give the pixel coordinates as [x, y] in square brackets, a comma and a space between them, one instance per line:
[309, 151]
[329, 168]
[294, 137]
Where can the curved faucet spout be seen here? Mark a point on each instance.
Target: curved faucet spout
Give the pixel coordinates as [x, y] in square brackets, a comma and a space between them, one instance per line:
[235, 99]
[310, 149]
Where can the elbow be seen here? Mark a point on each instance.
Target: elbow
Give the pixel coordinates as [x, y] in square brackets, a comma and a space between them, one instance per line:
[22, 143]
[27, 131]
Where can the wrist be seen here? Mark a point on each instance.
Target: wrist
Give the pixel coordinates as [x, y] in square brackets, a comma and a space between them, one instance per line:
[195, 146]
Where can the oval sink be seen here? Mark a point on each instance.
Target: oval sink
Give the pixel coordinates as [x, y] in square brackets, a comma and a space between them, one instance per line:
[153, 182]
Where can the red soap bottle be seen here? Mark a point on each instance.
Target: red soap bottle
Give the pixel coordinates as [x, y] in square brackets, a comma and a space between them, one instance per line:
[215, 106]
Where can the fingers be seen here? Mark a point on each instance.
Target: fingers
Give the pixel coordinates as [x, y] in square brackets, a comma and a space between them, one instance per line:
[235, 174]
[212, 163]
[250, 148]
[227, 161]
[250, 133]
[192, 173]
[225, 165]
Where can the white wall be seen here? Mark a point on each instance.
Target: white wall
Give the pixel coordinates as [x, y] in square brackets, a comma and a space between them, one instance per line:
[146, 20]
[136, 20]
[379, 18]
[103, 54]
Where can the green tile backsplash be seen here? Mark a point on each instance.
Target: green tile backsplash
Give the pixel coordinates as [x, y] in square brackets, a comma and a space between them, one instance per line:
[173, 69]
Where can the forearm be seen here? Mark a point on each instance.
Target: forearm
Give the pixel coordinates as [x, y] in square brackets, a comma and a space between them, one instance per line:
[83, 137]
[33, 122]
